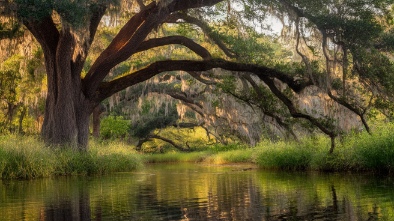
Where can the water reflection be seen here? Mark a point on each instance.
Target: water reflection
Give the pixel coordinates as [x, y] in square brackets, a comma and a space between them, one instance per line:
[72, 206]
[198, 192]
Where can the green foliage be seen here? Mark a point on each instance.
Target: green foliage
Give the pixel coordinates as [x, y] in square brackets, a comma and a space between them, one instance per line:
[156, 120]
[20, 93]
[10, 30]
[228, 84]
[10, 78]
[102, 158]
[114, 127]
[376, 67]
[73, 12]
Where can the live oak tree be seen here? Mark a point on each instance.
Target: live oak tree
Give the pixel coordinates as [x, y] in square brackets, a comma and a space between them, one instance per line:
[66, 30]
[66, 40]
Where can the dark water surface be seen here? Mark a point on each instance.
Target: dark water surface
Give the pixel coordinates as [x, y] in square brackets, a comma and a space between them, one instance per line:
[200, 192]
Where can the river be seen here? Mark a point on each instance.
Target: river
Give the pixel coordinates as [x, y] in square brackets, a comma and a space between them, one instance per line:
[200, 192]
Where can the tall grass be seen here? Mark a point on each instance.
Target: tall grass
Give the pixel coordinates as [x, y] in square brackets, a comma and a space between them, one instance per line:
[374, 152]
[27, 158]
[214, 154]
[354, 152]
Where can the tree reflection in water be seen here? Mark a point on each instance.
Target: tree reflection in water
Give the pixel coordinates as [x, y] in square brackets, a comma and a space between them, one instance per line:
[200, 193]
[72, 206]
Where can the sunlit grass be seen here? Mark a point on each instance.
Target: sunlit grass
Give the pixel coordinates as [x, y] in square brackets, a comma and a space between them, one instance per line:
[353, 152]
[27, 158]
[198, 156]
[213, 154]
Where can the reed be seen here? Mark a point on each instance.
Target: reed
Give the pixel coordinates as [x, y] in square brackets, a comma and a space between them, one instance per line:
[373, 152]
[284, 155]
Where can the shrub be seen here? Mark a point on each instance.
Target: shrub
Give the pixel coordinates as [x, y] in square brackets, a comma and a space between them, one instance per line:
[114, 127]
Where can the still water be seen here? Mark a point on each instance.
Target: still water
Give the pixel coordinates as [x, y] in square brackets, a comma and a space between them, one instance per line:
[200, 192]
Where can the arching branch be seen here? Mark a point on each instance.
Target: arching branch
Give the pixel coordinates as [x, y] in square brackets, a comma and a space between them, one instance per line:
[181, 40]
[274, 116]
[198, 76]
[304, 58]
[179, 96]
[49, 38]
[296, 114]
[97, 12]
[358, 111]
[155, 136]
[106, 89]
[107, 58]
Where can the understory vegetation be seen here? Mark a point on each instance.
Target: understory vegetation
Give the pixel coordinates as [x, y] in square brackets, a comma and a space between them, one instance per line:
[28, 158]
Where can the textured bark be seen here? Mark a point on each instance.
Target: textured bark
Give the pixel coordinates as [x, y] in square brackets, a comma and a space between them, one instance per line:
[66, 120]
[96, 120]
[67, 111]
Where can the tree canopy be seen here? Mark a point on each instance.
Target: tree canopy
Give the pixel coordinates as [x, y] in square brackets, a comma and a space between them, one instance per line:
[339, 51]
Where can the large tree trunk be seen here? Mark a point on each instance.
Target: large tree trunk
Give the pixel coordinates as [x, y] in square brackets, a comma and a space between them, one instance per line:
[67, 113]
[66, 120]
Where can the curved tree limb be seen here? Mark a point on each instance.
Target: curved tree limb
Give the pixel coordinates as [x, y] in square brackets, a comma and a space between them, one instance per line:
[360, 113]
[49, 38]
[296, 114]
[102, 65]
[181, 40]
[155, 136]
[97, 12]
[198, 76]
[274, 116]
[179, 96]
[107, 88]
[303, 57]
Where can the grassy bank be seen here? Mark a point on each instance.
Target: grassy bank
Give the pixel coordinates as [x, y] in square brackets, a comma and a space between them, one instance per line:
[355, 152]
[27, 158]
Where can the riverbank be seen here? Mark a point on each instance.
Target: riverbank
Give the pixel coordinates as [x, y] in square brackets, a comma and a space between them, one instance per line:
[28, 158]
[358, 152]
[357, 155]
